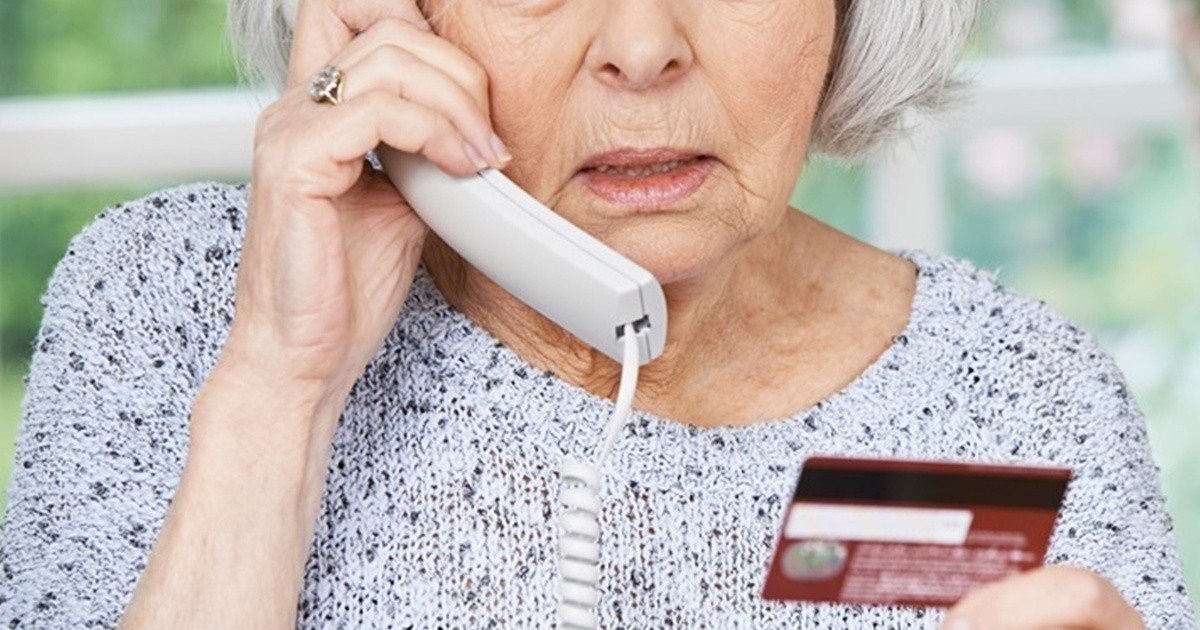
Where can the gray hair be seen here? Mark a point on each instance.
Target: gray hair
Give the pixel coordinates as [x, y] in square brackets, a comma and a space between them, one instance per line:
[893, 59]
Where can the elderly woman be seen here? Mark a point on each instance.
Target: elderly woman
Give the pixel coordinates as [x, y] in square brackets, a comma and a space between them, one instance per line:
[287, 404]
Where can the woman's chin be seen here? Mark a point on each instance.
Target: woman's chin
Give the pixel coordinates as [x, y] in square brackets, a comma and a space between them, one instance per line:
[675, 245]
[672, 259]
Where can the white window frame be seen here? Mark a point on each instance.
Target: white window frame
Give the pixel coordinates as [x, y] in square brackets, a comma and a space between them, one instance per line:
[168, 136]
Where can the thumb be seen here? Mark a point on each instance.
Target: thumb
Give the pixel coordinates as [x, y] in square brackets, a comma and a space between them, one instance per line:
[1056, 596]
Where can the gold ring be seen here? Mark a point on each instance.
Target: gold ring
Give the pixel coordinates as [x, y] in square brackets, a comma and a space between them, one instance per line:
[326, 85]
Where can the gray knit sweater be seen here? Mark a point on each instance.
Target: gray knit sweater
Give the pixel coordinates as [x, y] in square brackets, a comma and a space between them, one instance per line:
[441, 502]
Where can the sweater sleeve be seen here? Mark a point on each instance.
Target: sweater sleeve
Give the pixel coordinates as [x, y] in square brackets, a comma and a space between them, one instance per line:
[1114, 519]
[103, 436]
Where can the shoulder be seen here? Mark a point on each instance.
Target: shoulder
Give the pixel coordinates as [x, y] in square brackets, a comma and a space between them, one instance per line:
[155, 237]
[998, 325]
[152, 270]
[178, 219]
[1032, 381]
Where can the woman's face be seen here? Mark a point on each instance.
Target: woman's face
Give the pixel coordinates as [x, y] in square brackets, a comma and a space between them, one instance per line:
[735, 80]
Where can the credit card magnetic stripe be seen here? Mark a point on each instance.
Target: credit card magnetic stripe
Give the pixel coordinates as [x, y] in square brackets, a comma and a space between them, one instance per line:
[932, 487]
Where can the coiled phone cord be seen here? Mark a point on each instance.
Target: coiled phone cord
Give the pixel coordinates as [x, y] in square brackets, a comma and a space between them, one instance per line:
[578, 548]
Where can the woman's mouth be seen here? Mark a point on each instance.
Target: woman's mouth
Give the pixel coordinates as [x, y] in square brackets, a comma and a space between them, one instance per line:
[646, 180]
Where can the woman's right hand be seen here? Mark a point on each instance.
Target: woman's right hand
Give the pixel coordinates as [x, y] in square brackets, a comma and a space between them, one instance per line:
[330, 246]
[329, 254]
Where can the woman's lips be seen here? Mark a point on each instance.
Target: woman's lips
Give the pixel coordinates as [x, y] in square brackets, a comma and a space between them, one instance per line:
[648, 187]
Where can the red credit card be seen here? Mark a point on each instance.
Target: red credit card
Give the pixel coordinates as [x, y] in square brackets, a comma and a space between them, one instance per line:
[910, 533]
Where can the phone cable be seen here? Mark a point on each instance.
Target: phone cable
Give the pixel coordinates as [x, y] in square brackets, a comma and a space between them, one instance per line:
[579, 548]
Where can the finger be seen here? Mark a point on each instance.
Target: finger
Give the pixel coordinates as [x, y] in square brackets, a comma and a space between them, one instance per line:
[434, 50]
[1049, 597]
[348, 131]
[325, 27]
[397, 71]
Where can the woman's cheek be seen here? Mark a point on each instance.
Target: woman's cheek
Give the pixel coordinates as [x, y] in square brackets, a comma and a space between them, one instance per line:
[779, 51]
[527, 8]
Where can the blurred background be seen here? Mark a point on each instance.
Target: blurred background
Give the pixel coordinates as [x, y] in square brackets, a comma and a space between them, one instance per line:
[1073, 172]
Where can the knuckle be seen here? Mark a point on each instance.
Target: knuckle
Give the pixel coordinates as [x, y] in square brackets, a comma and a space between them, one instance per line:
[370, 109]
[392, 28]
[442, 125]
[269, 150]
[266, 118]
[431, 130]
[368, 102]
[276, 141]
[264, 135]
[478, 78]
[272, 117]
[392, 55]
[262, 131]
[1090, 591]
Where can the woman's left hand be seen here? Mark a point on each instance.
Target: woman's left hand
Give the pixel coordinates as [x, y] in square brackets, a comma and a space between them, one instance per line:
[1049, 597]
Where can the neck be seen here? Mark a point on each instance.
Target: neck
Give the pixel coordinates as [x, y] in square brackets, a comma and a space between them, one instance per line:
[719, 321]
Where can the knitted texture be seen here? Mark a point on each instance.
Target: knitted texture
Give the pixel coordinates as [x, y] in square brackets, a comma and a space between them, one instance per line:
[441, 502]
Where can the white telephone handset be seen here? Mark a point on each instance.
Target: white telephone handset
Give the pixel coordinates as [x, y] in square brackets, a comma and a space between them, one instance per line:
[553, 266]
[565, 274]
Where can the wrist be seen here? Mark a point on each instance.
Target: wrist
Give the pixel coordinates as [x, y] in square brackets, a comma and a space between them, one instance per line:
[260, 370]
[263, 431]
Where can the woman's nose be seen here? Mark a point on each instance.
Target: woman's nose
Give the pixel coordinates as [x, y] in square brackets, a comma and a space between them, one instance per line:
[639, 44]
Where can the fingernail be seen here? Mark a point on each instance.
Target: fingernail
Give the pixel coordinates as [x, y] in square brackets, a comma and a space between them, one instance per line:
[500, 150]
[476, 159]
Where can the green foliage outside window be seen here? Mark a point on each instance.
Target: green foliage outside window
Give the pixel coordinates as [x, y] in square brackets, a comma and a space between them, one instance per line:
[67, 47]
